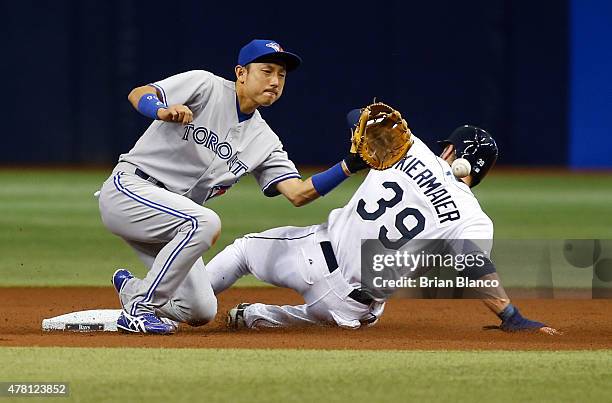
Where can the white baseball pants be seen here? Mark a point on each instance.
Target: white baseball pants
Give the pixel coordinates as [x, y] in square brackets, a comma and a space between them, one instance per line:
[291, 257]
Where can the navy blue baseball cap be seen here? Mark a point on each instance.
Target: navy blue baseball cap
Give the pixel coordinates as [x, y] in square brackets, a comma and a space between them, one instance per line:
[267, 50]
[475, 145]
[352, 118]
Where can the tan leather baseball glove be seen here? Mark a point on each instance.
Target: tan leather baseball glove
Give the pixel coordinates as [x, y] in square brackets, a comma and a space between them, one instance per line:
[381, 137]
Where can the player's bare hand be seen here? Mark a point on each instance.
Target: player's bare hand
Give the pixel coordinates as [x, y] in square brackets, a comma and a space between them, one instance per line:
[550, 331]
[176, 113]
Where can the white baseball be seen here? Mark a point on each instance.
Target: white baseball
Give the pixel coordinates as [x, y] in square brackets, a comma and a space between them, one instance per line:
[461, 167]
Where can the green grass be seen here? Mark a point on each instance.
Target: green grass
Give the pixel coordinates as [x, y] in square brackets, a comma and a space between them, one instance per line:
[145, 375]
[51, 233]
[533, 206]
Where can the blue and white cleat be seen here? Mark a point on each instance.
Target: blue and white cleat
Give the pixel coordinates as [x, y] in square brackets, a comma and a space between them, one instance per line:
[120, 277]
[145, 323]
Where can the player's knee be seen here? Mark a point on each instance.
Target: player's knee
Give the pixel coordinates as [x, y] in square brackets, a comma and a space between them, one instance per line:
[210, 220]
[209, 227]
[216, 237]
[203, 312]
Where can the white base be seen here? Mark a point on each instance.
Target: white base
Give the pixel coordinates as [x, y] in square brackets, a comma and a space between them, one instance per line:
[96, 320]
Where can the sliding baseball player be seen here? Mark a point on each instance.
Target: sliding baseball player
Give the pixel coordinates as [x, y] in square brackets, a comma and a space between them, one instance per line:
[422, 196]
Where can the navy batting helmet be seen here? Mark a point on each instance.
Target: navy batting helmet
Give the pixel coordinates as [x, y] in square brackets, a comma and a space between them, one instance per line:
[477, 146]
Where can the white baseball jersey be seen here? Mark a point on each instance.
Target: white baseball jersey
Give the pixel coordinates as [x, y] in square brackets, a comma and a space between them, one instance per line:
[418, 198]
[206, 157]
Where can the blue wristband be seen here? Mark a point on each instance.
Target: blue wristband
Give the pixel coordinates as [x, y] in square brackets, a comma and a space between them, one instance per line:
[149, 104]
[325, 181]
[507, 313]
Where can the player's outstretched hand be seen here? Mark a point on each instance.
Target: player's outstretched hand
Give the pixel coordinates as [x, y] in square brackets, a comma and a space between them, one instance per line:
[550, 330]
[175, 113]
[513, 321]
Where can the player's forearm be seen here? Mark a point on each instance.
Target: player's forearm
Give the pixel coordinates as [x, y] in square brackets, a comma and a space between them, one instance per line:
[146, 100]
[494, 298]
[297, 191]
[137, 93]
[303, 192]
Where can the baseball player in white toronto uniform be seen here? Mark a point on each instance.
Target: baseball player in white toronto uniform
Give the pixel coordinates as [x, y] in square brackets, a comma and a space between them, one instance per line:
[418, 198]
[207, 134]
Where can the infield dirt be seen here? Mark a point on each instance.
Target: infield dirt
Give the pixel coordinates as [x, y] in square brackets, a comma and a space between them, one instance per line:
[408, 324]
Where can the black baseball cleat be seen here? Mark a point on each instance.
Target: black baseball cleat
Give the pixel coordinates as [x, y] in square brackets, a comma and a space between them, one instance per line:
[235, 317]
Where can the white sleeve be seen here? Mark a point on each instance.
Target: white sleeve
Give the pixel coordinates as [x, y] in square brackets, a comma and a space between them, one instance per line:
[480, 230]
[276, 168]
[188, 88]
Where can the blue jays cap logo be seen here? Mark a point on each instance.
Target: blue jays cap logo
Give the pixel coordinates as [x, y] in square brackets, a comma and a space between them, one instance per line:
[267, 50]
[275, 46]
